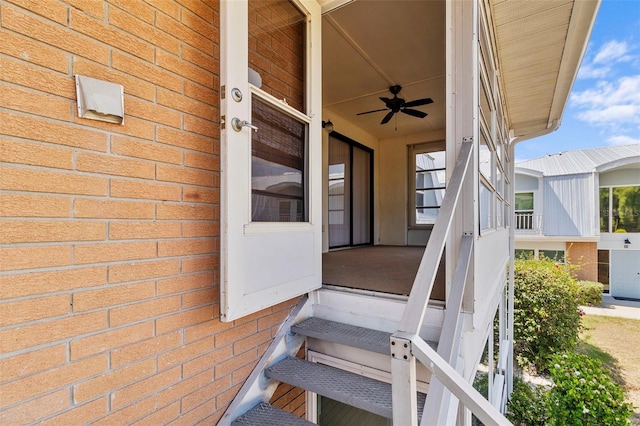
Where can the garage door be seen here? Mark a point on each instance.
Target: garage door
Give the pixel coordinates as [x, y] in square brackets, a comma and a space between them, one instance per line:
[625, 273]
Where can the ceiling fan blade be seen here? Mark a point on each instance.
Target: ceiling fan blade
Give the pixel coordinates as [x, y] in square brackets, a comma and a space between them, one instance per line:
[419, 102]
[387, 117]
[375, 110]
[414, 112]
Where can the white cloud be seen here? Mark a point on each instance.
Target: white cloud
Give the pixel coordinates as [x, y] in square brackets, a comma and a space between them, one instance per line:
[622, 140]
[612, 51]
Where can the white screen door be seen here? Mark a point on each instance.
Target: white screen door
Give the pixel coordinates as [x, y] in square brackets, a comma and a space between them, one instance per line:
[271, 173]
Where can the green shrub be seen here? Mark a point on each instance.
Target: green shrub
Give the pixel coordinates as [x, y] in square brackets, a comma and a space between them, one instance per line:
[584, 393]
[546, 316]
[528, 405]
[589, 293]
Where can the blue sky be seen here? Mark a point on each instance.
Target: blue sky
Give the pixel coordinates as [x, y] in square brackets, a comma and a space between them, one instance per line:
[604, 105]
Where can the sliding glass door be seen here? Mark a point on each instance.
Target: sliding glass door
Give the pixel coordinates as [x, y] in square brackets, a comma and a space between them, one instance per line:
[350, 199]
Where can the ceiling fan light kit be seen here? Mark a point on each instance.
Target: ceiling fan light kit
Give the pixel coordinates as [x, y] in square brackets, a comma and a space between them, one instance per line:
[396, 104]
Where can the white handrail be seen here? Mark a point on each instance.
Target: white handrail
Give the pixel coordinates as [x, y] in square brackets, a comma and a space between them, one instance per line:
[423, 284]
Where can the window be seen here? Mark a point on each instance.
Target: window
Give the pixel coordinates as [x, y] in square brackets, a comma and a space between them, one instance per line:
[554, 255]
[429, 185]
[524, 210]
[620, 209]
[525, 254]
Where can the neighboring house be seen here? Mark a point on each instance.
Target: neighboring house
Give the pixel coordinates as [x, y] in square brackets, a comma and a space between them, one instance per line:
[160, 269]
[583, 208]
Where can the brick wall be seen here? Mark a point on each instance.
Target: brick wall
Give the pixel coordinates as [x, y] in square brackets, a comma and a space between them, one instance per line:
[109, 257]
[585, 257]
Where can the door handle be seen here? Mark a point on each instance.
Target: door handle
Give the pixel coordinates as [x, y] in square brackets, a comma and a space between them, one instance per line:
[238, 124]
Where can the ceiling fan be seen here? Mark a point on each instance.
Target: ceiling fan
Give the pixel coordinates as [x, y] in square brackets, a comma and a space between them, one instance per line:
[397, 104]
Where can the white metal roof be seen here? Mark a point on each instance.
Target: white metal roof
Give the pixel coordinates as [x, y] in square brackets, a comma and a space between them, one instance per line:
[584, 161]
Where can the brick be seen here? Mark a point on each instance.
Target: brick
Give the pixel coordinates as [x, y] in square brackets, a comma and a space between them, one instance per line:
[92, 7]
[106, 209]
[52, 182]
[185, 212]
[270, 320]
[51, 331]
[144, 310]
[35, 154]
[51, 11]
[82, 414]
[144, 349]
[151, 73]
[24, 74]
[178, 66]
[112, 296]
[137, 8]
[240, 375]
[35, 103]
[107, 382]
[142, 270]
[62, 38]
[201, 24]
[132, 84]
[152, 112]
[185, 352]
[129, 414]
[31, 411]
[21, 285]
[236, 333]
[14, 258]
[204, 94]
[178, 174]
[206, 361]
[138, 28]
[201, 8]
[108, 340]
[143, 230]
[207, 392]
[183, 33]
[226, 397]
[33, 309]
[49, 380]
[162, 416]
[184, 283]
[131, 127]
[171, 9]
[200, 126]
[205, 329]
[205, 414]
[183, 247]
[32, 362]
[17, 205]
[229, 366]
[200, 59]
[251, 342]
[112, 165]
[201, 195]
[144, 190]
[20, 231]
[185, 104]
[111, 36]
[202, 161]
[37, 53]
[201, 263]
[185, 387]
[183, 319]
[200, 229]
[43, 130]
[147, 150]
[111, 252]
[199, 298]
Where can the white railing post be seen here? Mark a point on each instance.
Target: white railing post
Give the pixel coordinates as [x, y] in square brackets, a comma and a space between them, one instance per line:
[403, 383]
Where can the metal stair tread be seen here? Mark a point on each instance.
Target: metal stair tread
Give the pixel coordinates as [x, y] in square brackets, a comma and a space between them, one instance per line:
[343, 386]
[346, 334]
[266, 414]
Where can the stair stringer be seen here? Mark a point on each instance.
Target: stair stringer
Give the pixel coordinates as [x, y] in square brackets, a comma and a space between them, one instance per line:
[257, 388]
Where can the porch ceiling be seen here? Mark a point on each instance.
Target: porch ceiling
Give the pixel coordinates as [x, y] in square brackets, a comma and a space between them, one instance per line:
[371, 45]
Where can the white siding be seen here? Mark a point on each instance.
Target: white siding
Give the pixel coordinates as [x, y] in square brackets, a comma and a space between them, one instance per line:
[569, 205]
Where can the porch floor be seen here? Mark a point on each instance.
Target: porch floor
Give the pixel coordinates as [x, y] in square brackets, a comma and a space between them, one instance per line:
[387, 269]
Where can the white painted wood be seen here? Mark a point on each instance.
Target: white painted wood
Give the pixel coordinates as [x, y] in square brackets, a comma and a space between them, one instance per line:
[403, 385]
[262, 264]
[463, 390]
[498, 386]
